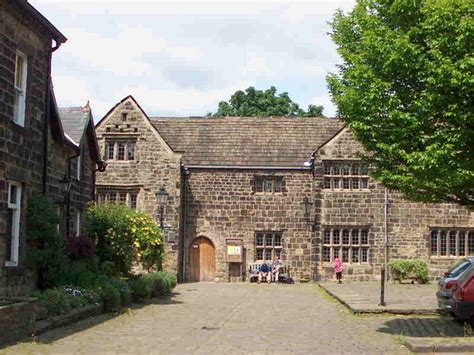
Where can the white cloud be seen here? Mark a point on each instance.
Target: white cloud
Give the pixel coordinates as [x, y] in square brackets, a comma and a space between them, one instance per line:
[73, 91]
[185, 102]
[184, 57]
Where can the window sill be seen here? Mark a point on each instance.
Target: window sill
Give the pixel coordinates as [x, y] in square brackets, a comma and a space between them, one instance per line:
[121, 161]
[14, 270]
[347, 190]
[269, 193]
[450, 257]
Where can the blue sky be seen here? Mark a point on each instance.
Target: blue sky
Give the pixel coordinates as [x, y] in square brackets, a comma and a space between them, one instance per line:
[182, 58]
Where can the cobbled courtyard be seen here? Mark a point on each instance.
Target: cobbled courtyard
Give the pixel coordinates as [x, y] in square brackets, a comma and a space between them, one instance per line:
[207, 318]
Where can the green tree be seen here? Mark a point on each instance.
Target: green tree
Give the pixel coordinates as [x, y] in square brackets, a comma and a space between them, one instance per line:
[253, 102]
[405, 88]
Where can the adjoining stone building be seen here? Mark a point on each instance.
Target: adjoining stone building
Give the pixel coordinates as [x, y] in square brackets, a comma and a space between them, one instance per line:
[294, 187]
[36, 152]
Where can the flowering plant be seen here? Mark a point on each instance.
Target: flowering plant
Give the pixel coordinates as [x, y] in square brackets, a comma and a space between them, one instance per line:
[125, 236]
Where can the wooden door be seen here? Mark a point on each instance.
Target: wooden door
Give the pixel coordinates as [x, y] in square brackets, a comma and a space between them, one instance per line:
[202, 260]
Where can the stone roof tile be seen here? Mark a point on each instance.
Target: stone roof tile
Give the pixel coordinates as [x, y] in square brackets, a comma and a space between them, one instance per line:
[247, 141]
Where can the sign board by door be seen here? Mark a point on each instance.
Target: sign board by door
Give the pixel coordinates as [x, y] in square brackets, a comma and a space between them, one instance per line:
[234, 250]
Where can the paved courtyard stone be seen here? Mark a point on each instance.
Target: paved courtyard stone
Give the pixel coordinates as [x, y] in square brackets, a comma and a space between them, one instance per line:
[364, 297]
[210, 318]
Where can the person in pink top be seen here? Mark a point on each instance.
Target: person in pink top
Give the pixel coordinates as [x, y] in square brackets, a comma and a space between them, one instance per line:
[338, 269]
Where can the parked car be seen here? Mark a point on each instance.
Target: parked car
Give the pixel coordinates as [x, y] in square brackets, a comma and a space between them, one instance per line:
[463, 297]
[448, 281]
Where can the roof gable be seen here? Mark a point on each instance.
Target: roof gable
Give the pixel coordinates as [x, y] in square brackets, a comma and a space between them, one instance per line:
[247, 141]
[125, 104]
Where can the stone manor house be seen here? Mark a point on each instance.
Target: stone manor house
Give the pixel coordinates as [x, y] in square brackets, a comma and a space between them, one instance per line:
[292, 187]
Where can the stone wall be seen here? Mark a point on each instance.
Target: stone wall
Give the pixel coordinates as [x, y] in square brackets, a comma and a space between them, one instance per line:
[21, 148]
[409, 223]
[221, 204]
[155, 165]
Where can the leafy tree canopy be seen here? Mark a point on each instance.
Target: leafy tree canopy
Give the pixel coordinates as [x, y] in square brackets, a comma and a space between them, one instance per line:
[405, 88]
[263, 103]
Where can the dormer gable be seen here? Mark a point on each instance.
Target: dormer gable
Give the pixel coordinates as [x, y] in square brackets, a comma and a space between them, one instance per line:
[128, 120]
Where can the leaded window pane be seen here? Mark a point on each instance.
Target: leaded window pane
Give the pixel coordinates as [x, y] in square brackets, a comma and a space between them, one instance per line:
[461, 244]
[470, 243]
[131, 151]
[345, 237]
[434, 242]
[355, 255]
[121, 151]
[364, 237]
[442, 241]
[452, 243]
[326, 254]
[345, 255]
[355, 237]
[327, 237]
[336, 236]
[364, 255]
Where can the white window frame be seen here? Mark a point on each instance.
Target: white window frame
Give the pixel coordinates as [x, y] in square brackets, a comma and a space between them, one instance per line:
[15, 223]
[79, 167]
[20, 91]
[78, 219]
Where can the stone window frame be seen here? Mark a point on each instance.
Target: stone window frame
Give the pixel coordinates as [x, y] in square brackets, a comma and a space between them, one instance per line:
[274, 248]
[131, 197]
[444, 240]
[269, 184]
[339, 241]
[345, 175]
[14, 205]
[113, 149]
[19, 103]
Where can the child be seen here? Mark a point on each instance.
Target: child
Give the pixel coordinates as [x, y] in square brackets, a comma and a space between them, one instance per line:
[338, 269]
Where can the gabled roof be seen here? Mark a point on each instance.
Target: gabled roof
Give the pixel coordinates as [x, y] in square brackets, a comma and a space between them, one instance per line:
[247, 141]
[74, 121]
[77, 122]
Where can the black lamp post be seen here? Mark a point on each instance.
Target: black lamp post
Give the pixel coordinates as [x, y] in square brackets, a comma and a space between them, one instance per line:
[162, 198]
[65, 184]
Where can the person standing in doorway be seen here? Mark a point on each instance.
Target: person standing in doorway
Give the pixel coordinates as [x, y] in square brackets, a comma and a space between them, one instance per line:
[338, 269]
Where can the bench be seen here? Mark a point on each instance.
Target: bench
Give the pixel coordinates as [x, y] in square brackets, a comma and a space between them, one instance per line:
[255, 267]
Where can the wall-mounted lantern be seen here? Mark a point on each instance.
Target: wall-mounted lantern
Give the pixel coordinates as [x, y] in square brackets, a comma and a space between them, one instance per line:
[162, 198]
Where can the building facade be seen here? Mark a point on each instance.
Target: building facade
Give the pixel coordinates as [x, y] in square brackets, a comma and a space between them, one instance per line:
[35, 151]
[290, 187]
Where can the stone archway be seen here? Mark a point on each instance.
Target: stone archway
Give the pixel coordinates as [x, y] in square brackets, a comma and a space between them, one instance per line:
[202, 260]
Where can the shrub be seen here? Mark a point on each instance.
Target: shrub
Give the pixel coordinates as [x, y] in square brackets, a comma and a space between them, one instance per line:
[408, 268]
[142, 287]
[80, 273]
[162, 282]
[80, 247]
[46, 248]
[110, 295]
[62, 300]
[125, 236]
[166, 282]
[123, 288]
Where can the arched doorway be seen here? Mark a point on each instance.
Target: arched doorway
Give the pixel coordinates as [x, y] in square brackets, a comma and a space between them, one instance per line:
[202, 260]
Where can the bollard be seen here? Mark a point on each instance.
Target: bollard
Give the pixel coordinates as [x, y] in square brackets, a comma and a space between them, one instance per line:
[382, 287]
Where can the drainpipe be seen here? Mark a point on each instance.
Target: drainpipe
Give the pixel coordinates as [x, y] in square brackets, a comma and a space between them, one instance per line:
[185, 173]
[101, 166]
[385, 232]
[47, 112]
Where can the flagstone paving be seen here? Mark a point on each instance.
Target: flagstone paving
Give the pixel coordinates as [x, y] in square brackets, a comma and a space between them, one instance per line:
[209, 318]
